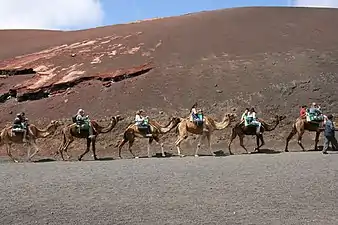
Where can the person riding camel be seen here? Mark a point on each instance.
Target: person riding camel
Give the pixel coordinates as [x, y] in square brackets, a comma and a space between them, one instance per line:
[252, 120]
[200, 115]
[83, 121]
[302, 112]
[21, 124]
[193, 113]
[143, 122]
[196, 115]
[315, 113]
[244, 117]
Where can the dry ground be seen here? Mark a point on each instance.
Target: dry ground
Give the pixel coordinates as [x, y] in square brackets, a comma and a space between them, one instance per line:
[286, 188]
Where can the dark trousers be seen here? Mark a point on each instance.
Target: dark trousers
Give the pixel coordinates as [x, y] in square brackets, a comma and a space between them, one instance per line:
[328, 140]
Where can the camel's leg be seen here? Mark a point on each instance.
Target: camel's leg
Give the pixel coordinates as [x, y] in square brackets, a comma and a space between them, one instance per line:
[148, 147]
[209, 144]
[259, 138]
[34, 145]
[121, 145]
[61, 153]
[94, 148]
[62, 146]
[257, 143]
[130, 138]
[28, 152]
[157, 139]
[178, 145]
[290, 136]
[299, 139]
[241, 142]
[67, 140]
[9, 153]
[232, 137]
[162, 149]
[262, 140]
[89, 140]
[130, 145]
[199, 144]
[182, 134]
[66, 148]
[317, 140]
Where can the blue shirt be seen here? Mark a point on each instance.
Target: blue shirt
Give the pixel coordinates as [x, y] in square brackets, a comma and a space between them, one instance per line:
[329, 129]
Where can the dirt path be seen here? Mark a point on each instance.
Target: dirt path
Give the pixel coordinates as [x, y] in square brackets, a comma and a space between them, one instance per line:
[286, 188]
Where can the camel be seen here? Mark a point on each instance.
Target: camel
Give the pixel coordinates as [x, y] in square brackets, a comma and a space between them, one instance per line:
[240, 130]
[299, 127]
[71, 131]
[8, 137]
[157, 130]
[186, 126]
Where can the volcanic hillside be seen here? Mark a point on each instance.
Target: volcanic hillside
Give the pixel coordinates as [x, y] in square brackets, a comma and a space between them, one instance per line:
[274, 59]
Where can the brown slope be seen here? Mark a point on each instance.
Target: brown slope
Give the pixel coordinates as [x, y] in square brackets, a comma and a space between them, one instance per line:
[272, 58]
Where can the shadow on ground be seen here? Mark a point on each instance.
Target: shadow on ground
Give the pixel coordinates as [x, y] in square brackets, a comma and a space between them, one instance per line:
[266, 151]
[44, 160]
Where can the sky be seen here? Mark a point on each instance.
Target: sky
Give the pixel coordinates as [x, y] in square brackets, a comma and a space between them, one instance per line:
[83, 14]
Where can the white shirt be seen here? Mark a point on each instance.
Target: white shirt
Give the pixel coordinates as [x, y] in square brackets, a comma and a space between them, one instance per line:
[193, 110]
[252, 114]
[139, 119]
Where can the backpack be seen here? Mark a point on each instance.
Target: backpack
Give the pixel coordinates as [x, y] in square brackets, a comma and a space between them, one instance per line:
[145, 122]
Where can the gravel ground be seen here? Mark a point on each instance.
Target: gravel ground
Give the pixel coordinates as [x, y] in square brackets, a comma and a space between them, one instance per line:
[286, 188]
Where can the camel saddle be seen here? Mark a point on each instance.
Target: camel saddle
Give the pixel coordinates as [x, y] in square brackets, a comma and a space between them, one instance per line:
[199, 120]
[82, 127]
[142, 128]
[198, 123]
[17, 128]
[315, 120]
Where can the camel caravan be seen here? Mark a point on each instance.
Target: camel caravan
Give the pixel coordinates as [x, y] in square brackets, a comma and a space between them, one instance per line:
[21, 132]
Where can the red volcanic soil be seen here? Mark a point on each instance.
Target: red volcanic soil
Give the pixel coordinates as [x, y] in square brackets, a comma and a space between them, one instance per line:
[274, 59]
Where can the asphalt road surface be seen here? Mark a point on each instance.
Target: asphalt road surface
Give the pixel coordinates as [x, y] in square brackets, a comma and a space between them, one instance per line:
[285, 188]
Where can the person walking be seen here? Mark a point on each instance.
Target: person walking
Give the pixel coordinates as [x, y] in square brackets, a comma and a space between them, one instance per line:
[329, 135]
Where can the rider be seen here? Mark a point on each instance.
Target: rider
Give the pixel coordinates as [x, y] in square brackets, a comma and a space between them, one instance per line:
[244, 117]
[82, 119]
[193, 113]
[302, 112]
[252, 119]
[21, 122]
[315, 113]
[200, 115]
[142, 121]
[196, 115]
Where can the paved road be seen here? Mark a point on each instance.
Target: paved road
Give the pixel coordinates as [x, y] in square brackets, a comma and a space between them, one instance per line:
[286, 188]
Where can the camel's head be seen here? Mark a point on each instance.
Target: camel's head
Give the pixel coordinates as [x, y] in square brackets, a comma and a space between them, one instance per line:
[175, 120]
[56, 123]
[118, 118]
[232, 116]
[280, 117]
